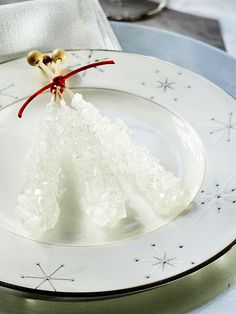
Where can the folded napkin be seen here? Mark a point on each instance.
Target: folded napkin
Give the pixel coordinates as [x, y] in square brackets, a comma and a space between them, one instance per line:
[46, 25]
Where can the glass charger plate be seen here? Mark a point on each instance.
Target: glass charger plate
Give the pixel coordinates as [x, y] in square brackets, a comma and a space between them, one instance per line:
[198, 124]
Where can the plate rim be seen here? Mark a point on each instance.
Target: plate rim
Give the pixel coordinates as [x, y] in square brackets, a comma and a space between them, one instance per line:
[102, 295]
[97, 295]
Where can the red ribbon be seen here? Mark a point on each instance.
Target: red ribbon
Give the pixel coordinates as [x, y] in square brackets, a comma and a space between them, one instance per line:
[59, 81]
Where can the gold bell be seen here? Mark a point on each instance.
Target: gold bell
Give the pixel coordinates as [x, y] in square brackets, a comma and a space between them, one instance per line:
[34, 57]
[59, 54]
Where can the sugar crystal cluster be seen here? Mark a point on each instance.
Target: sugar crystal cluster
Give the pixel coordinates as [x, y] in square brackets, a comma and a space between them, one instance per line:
[102, 151]
[38, 207]
[164, 191]
[98, 189]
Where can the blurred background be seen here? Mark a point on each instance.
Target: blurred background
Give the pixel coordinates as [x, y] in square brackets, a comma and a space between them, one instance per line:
[212, 21]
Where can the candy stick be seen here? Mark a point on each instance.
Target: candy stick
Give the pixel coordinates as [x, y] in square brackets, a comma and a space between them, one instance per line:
[35, 58]
[59, 56]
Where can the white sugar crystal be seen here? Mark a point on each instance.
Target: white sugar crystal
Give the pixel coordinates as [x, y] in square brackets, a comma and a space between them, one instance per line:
[99, 190]
[37, 202]
[102, 152]
[163, 190]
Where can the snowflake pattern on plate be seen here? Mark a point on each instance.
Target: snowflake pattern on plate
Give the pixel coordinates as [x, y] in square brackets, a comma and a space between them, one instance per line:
[80, 61]
[44, 277]
[224, 128]
[218, 198]
[161, 260]
[167, 85]
[220, 130]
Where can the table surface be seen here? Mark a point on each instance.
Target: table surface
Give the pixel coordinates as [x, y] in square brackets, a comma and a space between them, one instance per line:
[213, 64]
[223, 11]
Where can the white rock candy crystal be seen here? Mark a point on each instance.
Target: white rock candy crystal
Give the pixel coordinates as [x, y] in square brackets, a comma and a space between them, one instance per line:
[100, 194]
[163, 190]
[38, 208]
[103, 151]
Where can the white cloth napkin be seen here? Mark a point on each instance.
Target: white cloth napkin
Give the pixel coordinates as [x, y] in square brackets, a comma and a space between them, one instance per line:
[46, 25]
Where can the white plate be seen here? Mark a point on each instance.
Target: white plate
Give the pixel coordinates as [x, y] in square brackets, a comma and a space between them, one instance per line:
[159, 102]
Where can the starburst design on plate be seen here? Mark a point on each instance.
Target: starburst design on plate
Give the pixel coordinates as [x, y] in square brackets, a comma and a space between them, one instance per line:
[5, 94]
[90, 59]
[224, 128]
[44, 278]
[218, 197]
[160, 260]
[167, 85]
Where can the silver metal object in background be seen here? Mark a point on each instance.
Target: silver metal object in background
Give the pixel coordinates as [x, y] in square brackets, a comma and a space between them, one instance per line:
[131, 10]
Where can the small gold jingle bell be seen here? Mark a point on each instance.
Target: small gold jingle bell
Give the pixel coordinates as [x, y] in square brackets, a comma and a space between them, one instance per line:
[47, 59]
[34, 57]
[59, 54]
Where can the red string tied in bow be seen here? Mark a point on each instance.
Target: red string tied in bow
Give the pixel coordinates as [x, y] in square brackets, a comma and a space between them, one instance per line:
[60, 81]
